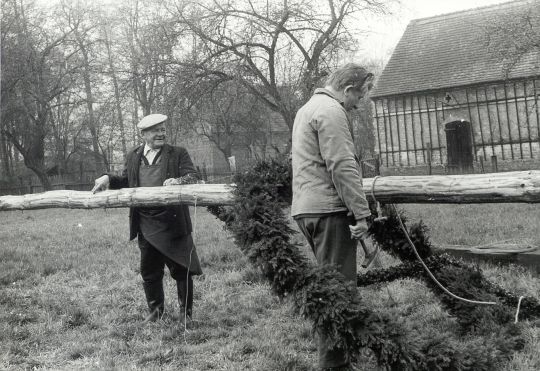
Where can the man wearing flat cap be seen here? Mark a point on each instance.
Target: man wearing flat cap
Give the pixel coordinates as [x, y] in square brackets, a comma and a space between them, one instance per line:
[164, 233]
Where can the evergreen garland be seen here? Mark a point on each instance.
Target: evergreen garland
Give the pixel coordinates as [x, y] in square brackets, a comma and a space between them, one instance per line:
[321, 294]
[460, 278]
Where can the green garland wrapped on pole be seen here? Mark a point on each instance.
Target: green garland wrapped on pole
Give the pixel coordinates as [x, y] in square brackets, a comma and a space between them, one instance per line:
[322, 295]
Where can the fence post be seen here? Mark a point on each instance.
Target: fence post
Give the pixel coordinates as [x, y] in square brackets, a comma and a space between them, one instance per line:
[204, 173]
[81, 172]
[494, 164]
[481, 163]
[377, 164]
[429, 157]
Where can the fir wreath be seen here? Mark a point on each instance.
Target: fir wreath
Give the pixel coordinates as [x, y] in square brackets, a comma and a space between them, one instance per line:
[321, 294]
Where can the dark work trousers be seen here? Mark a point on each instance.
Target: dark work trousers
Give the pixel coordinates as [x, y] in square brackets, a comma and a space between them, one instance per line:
[330, 239]
[152, 269]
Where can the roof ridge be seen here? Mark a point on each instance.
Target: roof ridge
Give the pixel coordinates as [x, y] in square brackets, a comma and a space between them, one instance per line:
[510, 3]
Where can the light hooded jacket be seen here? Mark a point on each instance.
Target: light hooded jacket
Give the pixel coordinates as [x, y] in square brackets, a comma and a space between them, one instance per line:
[326, 176]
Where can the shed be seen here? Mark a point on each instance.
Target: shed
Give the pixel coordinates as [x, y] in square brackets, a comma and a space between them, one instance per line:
[449, 100]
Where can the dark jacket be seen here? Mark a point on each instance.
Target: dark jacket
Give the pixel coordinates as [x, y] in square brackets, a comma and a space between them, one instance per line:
[175, 163]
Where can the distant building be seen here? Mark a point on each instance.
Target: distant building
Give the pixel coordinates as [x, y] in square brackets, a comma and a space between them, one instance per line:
[210, 160]
[446, 100]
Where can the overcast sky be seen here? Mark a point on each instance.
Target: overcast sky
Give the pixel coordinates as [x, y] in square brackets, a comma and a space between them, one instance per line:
[386, 32]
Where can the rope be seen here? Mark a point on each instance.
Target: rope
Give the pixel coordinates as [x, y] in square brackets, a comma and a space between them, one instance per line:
[517, 310]
[418, 255]
[377, 203]
[431, 274]
[189, 267]
[373, 188]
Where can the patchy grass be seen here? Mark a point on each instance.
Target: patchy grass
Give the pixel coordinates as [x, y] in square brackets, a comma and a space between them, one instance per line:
[71, 295]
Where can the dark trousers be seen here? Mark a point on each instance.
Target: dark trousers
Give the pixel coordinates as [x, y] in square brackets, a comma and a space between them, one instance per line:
[153, 264]
[330, 239]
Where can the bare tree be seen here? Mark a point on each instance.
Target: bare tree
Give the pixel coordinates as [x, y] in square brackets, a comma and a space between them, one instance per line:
[231, 118]
[515, 37]
[279, 51]
[81, 23]
[38, 64]
[148, 45]
[117, 97]
[65, 129]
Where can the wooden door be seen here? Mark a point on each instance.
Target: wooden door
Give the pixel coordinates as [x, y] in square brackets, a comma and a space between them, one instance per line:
[459, 147]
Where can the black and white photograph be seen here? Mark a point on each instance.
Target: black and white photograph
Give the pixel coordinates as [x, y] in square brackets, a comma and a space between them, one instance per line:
[270, 185]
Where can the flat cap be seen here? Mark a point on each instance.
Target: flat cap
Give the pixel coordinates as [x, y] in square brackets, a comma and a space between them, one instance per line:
[151, 120]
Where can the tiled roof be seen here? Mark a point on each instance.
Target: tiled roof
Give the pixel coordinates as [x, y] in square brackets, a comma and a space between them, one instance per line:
[450, 50]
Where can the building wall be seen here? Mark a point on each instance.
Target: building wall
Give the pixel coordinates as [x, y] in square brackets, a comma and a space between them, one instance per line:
[210, 159]
[505, 122]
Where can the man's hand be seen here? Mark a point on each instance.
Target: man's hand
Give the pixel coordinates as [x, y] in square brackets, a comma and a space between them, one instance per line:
[101, 184]
[172, 182]
[359, 230]
[186, 179]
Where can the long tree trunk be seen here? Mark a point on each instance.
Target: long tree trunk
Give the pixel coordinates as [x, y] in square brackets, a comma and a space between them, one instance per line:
[5, 169]
[518, 186]
[135, 115]
[116, 95]
[34, 159]
[98, 158]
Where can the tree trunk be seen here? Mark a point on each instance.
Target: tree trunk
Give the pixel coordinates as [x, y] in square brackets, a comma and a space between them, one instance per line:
[5, 170]
[190, 194]
[135, 116]
[98, 158]
[41, 172]
[43, 178]
[34, 159]
[116, 95]
[518, 186]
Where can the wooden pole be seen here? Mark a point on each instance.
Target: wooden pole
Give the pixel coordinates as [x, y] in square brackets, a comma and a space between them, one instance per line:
[527, 117]
[437, 129]
[501, 138]
[406, 131]
[494, 164]
[429, 157]
[471, 121]
[398, 131]
[480, 125]
[482, 164]
[508, 122]
[519, 186]
[421, 127]
[535, 94]
[387, 132]
[377, 123]
[430, 131]
[491, 139]
[413, 130]
[200, 194]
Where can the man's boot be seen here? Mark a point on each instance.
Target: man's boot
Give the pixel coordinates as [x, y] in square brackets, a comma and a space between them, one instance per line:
[185, 297]
[155, 299]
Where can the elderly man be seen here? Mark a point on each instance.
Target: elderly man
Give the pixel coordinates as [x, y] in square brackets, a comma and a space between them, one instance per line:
[164, 233]
[328, 202]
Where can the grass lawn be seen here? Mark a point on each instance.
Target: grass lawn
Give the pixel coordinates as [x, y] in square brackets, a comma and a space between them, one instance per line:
[71, 295]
